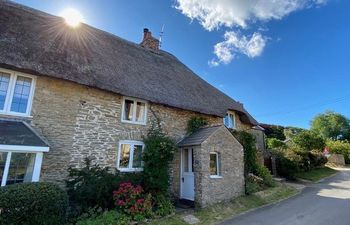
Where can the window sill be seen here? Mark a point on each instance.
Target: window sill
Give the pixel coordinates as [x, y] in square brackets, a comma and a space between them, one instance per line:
[123, 170]
[133, 122]
[215, 177]
[13, 114]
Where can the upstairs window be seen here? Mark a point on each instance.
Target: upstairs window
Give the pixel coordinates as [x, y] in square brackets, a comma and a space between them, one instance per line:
[16, 93]
[230, 120]
[130, 156]
[134, 111]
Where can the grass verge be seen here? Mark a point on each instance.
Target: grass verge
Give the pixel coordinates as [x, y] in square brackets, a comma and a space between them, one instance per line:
[316, 174]
[221, 211]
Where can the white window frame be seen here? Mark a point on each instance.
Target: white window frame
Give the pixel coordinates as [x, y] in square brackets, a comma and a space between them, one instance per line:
[218, 174]
[10, 93]
[133, 121]
[38, 151]
[132, 143]
[234, 126]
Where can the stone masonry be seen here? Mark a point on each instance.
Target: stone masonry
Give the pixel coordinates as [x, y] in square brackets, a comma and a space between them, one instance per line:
[210, 190]
[79, 122]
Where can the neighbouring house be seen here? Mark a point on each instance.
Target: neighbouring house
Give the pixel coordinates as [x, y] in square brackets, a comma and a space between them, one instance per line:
[70, 93]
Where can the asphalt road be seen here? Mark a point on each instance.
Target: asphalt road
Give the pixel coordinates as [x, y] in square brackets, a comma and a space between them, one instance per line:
[324, 203]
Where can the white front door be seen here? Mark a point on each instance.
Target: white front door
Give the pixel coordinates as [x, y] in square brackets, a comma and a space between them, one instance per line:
[187, 176]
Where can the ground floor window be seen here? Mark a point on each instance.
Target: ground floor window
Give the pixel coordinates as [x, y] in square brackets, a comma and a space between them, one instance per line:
[130, 156]
[214, 165]
[19, 167]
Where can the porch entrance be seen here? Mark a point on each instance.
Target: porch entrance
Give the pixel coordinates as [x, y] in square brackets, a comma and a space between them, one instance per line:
[187, 175]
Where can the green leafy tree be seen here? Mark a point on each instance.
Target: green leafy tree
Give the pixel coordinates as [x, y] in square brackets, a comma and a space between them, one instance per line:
[309, 140]
[290, 132]
[274, 143]
[331, 125]
[274, 131]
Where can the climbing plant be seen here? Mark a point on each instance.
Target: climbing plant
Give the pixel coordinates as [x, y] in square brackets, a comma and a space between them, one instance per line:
[196, 123]
[158, 155]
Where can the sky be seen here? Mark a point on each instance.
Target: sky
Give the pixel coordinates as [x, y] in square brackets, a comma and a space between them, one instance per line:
[285, 60]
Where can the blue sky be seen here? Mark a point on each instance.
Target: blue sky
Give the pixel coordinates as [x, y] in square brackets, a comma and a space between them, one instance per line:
[285, 62]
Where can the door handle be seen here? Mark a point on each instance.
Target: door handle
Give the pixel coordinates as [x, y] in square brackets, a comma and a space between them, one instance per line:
[183, 179]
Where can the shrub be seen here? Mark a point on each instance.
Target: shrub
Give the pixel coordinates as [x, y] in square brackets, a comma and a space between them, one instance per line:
[196, 123]
[308, 140]
[287, 165]
[163, 205]
[33, 204]
[132, 201]
[317, 159]
[340, 147]
[253, 184]
[106, 218]
[92, 186]
[265, 174]
[157, 157]
[274, 143]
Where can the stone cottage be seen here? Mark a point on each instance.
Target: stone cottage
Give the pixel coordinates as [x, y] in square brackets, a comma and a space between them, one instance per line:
[70, 93]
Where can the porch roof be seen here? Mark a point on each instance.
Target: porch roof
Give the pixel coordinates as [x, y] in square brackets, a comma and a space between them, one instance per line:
[19, 134]
[198, 137]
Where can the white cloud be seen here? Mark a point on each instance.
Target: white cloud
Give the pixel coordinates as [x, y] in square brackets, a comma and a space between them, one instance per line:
[234, 43]
[239, 14]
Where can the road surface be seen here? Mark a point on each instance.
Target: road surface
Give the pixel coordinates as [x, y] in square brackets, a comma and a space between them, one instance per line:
[324, 203]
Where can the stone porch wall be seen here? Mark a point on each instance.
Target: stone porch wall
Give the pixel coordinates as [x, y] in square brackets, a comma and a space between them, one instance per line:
[231, 184]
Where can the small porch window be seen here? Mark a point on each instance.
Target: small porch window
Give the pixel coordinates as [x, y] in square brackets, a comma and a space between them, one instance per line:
[134, 111]
[230, 120]
[130, 156]
[19, 167]
[214, 165]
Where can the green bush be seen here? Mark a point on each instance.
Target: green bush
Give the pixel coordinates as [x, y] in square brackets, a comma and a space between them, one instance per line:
[253, 185]
[274, 143]
[106, 218]
[265, 174]
[287, 166]
[340, 147]
[157, 157]
[308, 140]
[92, 187]
[196, 123]
[317, 159]
[163, 205]
[33, 204]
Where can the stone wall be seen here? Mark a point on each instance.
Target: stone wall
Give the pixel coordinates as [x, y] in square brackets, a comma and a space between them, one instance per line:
[231, 184]
[337, 159]
[80, 122]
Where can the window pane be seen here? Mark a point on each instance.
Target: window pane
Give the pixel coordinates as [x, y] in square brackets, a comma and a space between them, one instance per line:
[21, 168]
[185, 160]
[128, 109]
[3, 156]
[232, 120]
[137, 160]
[124, 156]
[140, 112]
[226, 121]
[213, 164]
[21, 94]
[4, 84]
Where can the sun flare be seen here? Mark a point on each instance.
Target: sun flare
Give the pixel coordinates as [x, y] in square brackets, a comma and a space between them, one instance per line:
[72, 17]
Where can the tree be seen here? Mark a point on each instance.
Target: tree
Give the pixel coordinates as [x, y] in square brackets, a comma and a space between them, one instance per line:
[290, 132]
[331, 125]
[274, 131]
[309, 140]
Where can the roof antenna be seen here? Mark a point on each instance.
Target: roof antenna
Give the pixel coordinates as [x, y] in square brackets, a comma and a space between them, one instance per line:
[161, 36]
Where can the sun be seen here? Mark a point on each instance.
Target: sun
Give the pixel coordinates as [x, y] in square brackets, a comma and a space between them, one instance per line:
[72, 17]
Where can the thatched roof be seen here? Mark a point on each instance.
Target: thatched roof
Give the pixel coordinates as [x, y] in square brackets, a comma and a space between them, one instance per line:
[35, 42]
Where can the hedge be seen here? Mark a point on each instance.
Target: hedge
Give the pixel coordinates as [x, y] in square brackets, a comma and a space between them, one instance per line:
[33, 204]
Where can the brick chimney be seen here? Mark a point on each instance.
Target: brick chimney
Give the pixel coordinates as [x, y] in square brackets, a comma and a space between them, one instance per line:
[149, 41]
